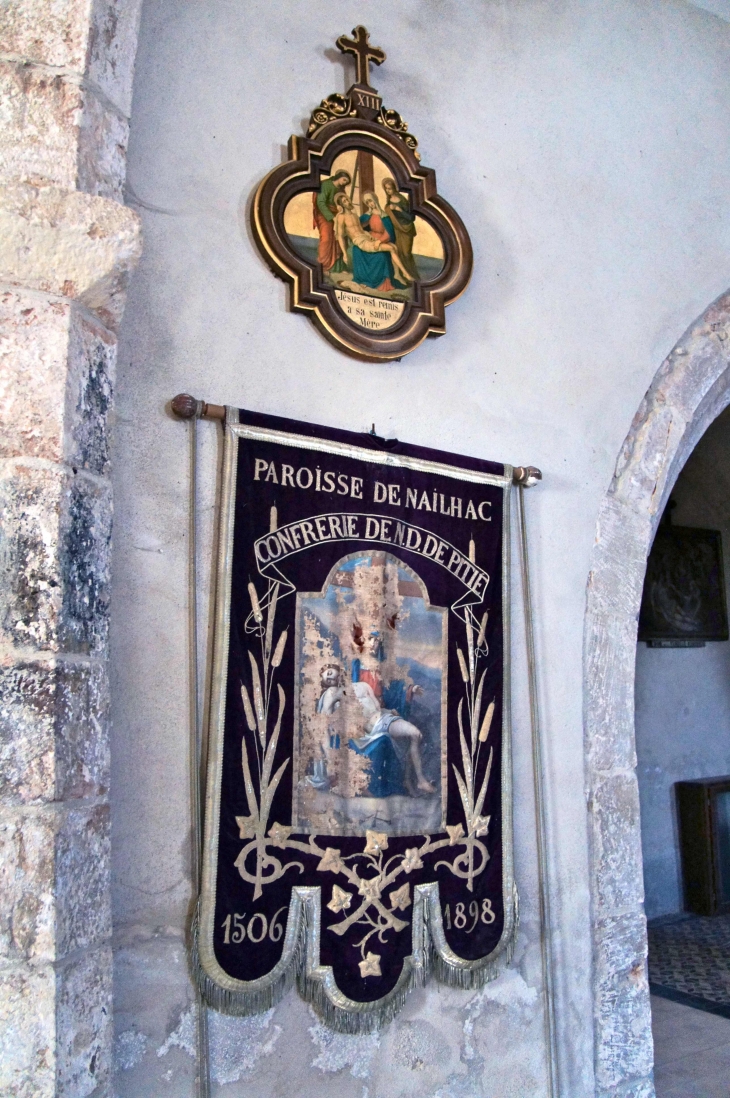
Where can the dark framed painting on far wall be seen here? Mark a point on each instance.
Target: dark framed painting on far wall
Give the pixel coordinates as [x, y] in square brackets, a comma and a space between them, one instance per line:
[684, 603]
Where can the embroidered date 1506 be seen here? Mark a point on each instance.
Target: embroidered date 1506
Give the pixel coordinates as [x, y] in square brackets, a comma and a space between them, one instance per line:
[235, 929]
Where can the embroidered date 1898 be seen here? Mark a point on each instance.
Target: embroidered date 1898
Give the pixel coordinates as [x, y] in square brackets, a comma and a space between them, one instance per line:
[486, 915]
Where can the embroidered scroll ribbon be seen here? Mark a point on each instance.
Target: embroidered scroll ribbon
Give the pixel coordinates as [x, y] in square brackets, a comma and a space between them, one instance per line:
[295, 537]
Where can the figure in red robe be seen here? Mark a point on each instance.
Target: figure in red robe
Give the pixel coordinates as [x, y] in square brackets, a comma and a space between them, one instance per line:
[324, 210]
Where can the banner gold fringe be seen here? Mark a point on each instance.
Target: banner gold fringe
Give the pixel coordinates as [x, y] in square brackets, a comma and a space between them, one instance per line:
[470, 979]
[360, 1018]
[244, 1003]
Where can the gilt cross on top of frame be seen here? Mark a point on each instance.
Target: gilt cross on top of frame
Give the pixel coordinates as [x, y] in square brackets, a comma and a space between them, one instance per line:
[363, 52]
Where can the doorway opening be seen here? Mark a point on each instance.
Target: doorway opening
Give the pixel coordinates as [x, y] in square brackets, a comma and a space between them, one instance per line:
[682, 726]
[688, 393]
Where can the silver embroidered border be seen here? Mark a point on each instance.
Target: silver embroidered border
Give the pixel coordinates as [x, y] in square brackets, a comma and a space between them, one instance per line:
[300, 956]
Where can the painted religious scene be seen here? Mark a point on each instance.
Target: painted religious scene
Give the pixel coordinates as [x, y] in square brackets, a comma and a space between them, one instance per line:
[360, 228]
[370, 727]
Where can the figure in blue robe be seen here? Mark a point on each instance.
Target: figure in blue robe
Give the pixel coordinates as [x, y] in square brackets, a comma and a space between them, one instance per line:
[375, 269]
[387, 767]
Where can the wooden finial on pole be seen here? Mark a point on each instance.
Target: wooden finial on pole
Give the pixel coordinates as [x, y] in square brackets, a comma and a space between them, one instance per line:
[185, 406]
[526, 476]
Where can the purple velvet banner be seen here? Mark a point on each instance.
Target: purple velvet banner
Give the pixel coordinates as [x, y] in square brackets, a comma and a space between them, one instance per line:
[359, 738]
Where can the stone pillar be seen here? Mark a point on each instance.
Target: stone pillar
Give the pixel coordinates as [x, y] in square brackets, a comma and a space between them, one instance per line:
[67, 245]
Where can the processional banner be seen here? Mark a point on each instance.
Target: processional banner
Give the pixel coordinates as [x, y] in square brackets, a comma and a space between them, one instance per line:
[358, 827]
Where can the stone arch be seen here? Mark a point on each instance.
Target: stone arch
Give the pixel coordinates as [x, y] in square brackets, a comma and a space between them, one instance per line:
[690, 389]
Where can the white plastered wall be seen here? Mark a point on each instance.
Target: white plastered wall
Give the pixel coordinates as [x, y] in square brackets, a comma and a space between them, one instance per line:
[586, 147]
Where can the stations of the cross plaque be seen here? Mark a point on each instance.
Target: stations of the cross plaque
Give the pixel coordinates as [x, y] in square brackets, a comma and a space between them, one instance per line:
[364, 96]
[353, 222]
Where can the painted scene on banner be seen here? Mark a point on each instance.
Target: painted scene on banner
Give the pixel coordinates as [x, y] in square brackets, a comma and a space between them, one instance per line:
[360, 228]
[370, 726]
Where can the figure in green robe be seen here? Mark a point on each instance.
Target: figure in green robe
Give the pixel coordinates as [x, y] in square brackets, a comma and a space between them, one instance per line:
[404, 223]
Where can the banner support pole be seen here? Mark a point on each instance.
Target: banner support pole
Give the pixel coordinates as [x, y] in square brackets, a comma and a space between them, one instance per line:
[527, 477]
[193, 410]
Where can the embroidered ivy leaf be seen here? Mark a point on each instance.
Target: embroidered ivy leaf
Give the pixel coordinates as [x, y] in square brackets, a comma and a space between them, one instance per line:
[455, 832]
[481, 825]
[370, 966]
[246, 826]
[332, 861]
[340, 901]
[377, 842]
[370, 888]
[401, 898]
[279, 834]
[411, 860]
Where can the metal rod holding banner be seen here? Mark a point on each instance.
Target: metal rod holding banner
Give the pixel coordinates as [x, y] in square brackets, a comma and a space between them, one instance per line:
[526, 477]
[196, 739]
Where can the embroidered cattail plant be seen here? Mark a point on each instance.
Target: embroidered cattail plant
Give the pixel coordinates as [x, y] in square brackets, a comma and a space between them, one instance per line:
[472, 801]
[248, 709]
[486, 723]
[483, 629]
[254, 827]
[255, 605]
[279, 651]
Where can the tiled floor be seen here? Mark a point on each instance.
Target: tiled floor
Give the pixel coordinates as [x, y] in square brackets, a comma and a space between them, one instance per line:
[691, 954]
[691, 1051]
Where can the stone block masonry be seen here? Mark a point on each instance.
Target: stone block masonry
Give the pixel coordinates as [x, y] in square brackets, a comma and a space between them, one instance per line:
[67, 247]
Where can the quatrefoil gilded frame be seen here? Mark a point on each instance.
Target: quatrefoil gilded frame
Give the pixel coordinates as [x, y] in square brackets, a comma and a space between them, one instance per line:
[309, 158]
